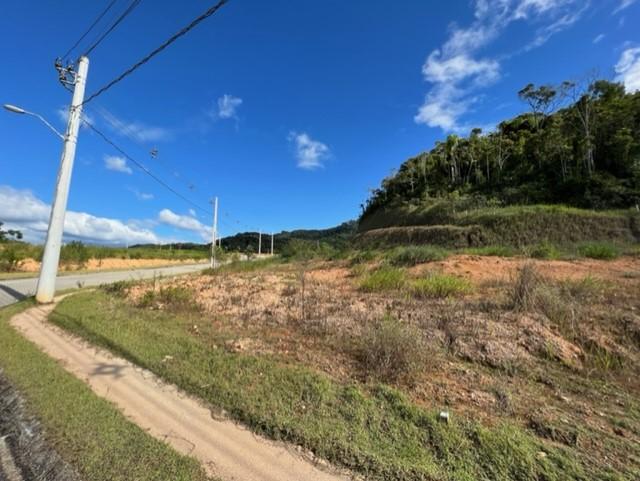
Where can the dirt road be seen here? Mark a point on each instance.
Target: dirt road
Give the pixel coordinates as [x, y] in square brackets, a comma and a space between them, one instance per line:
[226, 450]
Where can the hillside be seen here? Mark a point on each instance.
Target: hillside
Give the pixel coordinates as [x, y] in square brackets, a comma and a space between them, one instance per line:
[575, 147]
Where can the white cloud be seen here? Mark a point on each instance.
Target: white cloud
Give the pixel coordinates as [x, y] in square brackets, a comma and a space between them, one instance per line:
[456, 72]
[141, 195]
[599, 38]
[22, 210]
[185, 222]
[628, 69]
[624, 4]
[137, 131]
[228, 106]
[117, 164]
[309, 153]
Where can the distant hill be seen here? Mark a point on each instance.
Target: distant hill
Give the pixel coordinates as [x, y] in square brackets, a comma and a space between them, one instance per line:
[248, 241]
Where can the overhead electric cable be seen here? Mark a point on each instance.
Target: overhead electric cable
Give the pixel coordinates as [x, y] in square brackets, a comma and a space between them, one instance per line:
[143, 168]
[159, 49]
[95, 22]
[124, 15]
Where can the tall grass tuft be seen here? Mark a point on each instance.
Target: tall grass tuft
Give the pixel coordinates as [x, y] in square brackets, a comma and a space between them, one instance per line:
[599, 250]
[384, 279]
[414, 255]
[440, 286]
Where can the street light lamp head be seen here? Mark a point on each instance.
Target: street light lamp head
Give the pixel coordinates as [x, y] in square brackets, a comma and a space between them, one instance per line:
[14, 109]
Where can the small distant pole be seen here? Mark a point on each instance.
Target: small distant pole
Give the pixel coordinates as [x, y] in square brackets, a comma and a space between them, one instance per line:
[272, 243]
[259, 242]
[214, 232]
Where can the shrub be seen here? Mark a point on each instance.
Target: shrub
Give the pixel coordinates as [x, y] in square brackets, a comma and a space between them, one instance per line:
[524, 288]
[599, 250]
[362, 256]
[413, 255]
[11, 256]
[390, 350]
[118, 289]
[171, 298]
[75, 253]
[440, 286]
[299, 249]
[544, 250]
[384, 279]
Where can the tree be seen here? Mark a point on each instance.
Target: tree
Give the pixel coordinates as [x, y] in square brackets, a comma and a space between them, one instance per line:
[5, 235]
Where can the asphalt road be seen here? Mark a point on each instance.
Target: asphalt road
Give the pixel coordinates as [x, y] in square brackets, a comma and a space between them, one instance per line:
[17, 289]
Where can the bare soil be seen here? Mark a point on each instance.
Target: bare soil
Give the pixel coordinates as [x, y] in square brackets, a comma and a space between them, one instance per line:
[569, 370]
[115, 263]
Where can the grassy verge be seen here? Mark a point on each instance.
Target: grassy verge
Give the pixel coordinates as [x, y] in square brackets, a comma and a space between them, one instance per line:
[373, 428]
[87, 431]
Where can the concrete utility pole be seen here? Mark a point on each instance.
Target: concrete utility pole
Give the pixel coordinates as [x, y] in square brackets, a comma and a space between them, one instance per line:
[259, 242]
[214, 233]
[51, 257]
[272, 243]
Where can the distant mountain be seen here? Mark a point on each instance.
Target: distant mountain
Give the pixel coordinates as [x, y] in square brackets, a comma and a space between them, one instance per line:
[248, 241]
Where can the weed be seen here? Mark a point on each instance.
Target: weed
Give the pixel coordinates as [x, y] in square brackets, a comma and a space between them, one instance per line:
[544, 250]
[118, 289]
[440, 286]
[361, 257]
[524, 288]
[169, 298]
[599, 250]
[414, 255]
[496, 251]
[390, 350]
[384, 279]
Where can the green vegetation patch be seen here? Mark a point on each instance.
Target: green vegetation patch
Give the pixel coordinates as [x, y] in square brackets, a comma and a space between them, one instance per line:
[385, 278]
[599, 250]
[440, 286]
[414, 255]
[87, 431]
[376, 431]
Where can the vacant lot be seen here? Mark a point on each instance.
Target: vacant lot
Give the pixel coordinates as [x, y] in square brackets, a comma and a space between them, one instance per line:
[536, 362]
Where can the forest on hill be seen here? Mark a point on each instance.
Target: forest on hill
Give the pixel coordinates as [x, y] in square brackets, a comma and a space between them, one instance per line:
[577, 145]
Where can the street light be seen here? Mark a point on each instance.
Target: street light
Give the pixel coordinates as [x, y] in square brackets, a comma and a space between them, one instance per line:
[18, 110]
[51, 254]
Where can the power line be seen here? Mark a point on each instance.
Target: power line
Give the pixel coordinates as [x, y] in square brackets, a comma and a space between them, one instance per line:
[95, 22]
[124, 15]
[159, 49]
[143, 168]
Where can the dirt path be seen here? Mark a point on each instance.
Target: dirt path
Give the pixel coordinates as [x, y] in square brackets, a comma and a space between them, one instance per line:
[225, 449]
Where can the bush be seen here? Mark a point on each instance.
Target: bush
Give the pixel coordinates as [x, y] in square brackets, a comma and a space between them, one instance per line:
[170, 298]
[413, 255]
[362, 256]
[599, 250]
[544, 250]
[11, 256]
[301, 250]
[75, 253]
[118, 289]
[440, 286]
[390, 350]
[384, 279]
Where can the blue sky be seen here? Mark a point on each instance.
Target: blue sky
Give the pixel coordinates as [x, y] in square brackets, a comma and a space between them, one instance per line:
[288, 111]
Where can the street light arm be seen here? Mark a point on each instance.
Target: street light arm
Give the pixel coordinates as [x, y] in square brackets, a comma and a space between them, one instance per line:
[44, 121]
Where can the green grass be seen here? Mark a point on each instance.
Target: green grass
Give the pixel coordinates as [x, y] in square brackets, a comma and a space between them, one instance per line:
[544, 250]
[440, 286]
[599, 250]
[374, 430]
[384, 279]
[493, 251]
[414, 255]
[87, 431]
[243, 266]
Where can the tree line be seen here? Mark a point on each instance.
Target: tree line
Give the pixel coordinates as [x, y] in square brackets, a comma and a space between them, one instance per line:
[577, 145]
